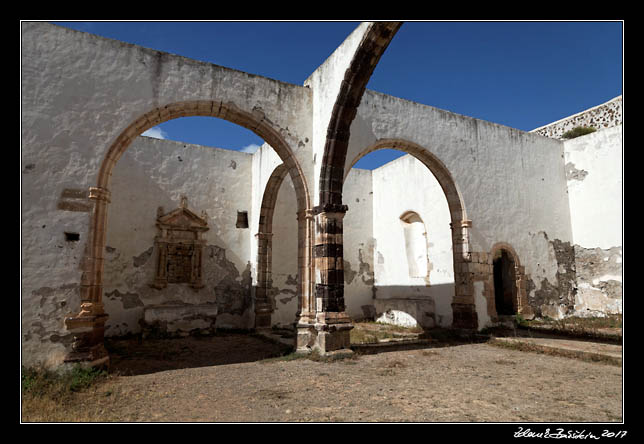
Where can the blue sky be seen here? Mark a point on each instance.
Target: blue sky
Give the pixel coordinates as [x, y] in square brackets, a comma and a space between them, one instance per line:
[519, 74]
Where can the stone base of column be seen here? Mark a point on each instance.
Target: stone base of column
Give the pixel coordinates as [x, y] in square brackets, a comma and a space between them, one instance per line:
[327, 334]
[263, 318]
[88, 348]
[464, 316]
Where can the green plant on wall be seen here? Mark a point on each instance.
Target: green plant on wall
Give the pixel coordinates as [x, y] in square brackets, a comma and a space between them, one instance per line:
[578, 131]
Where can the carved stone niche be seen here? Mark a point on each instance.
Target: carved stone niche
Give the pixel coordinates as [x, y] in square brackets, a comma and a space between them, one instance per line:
[180, 247]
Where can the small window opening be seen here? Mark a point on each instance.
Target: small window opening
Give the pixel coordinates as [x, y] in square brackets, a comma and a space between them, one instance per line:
[242, 219]
[72, 237]
[415, 244]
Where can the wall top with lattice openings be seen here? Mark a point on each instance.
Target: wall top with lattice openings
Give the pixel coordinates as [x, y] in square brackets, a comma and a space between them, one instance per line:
[603, 116]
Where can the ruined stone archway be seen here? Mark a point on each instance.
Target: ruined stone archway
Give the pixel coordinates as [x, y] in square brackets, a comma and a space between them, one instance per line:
[329, 330]
[356, 77]
[88, 325]
[463, 305]
[263, 304]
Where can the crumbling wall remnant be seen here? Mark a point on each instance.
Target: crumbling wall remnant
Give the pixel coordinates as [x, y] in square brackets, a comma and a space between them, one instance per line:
[599, 280]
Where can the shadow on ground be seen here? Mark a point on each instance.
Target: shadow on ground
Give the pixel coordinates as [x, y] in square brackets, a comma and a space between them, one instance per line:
[136, 356]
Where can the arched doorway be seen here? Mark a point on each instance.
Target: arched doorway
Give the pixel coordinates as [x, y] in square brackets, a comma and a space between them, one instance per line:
[508, 283]
[88, 325]
[505, 290]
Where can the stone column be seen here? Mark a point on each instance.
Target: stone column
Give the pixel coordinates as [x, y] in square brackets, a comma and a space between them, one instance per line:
[88, 326]
[306, 303]
[306, 319]
[523, 307]
[263, 304]
[329, 331]
[463, 306]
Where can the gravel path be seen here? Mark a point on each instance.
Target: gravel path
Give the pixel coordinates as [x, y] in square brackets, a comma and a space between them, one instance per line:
[228, 379]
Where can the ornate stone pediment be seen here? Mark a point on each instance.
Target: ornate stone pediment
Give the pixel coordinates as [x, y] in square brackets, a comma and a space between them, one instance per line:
[180, 247]
[182, 218]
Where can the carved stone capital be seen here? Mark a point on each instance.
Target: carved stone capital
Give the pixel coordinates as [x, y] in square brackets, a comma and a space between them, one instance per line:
[306, 214]
[465, 223]
[330, 208]
[97, 193]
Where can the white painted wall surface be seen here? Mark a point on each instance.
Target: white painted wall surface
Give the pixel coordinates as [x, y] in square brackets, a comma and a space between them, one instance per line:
[506, 177]
[400, 186]
[595, 188]
[595, 185]
[284, 253]
[358, 243]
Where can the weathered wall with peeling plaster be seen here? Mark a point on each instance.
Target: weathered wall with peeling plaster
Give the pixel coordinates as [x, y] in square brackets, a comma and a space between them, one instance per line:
[594, 172]
[506, 177]
[79, 92]
[358, 248]
[358, 244]
[154, 173]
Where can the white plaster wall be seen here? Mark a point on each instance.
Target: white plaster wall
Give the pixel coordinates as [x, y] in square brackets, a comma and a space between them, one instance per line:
[595, 185]
[155, 173]
[403, 185]
[595, 188]
[284, 254]
[358, 243]
[513, 183]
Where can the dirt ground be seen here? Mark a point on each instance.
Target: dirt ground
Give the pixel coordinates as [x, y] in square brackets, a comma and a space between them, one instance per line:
[242, 378]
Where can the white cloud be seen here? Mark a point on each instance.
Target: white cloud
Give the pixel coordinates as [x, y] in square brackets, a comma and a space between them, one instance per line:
[250, 148]
[156, 132]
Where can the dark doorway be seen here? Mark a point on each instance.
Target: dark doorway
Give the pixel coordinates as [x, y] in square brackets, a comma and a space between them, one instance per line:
[504, 284]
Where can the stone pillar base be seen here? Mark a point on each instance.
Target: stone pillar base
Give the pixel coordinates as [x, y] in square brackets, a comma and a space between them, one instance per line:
[526, 312]
[464, 316]
[328, 334]
[262, 319]
[88, 348]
